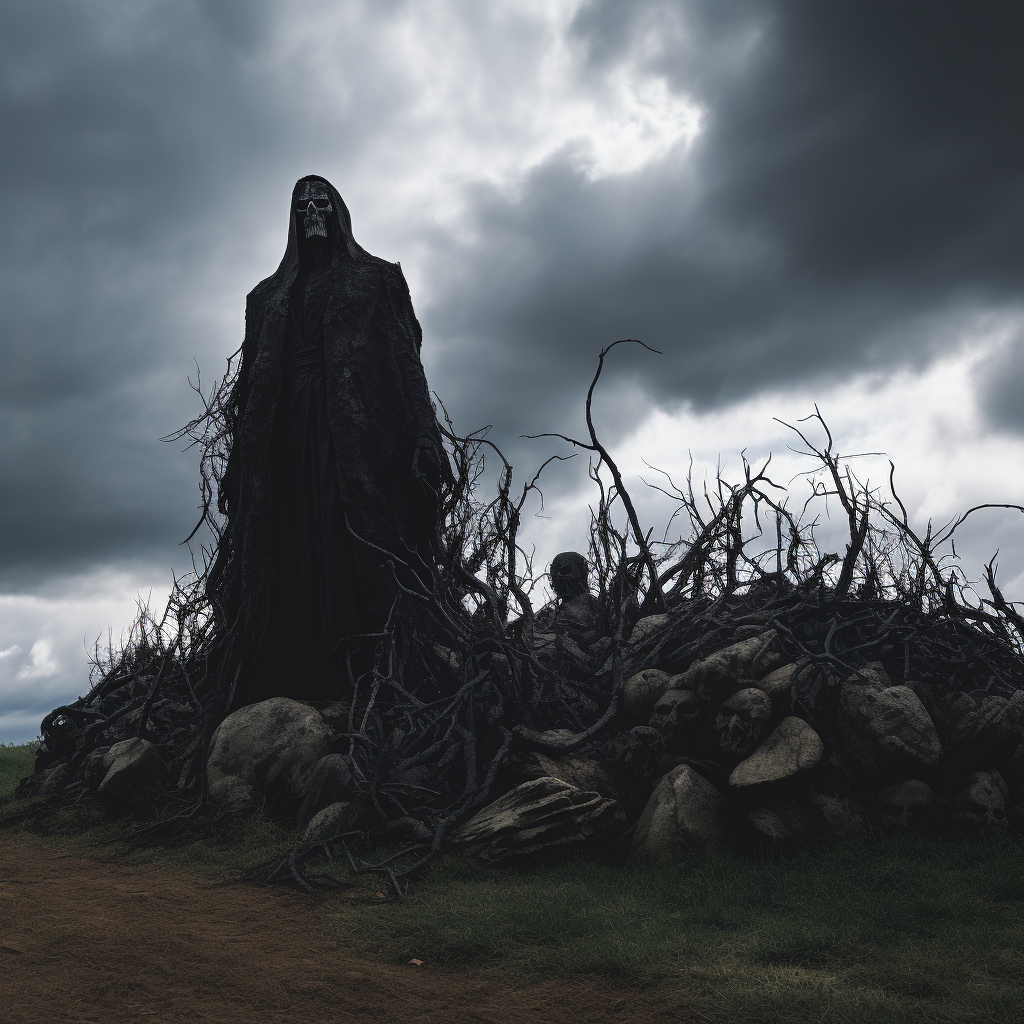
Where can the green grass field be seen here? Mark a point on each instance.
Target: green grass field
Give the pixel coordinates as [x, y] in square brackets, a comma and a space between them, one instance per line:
[884, 930]
[15, 761]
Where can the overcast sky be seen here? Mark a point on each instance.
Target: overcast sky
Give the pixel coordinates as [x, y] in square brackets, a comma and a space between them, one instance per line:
[797, 202]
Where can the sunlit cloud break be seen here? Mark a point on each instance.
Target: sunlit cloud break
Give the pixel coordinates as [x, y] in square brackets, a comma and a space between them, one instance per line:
[41, 662]
[650, 124]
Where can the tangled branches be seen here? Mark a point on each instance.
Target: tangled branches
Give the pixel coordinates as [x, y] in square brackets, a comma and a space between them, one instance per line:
[466, 672]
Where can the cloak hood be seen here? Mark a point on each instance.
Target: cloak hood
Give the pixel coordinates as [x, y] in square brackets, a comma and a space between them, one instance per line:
[343, 243]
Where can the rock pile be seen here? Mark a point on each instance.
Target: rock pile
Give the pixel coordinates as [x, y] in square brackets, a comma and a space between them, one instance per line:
[747, 747]
[728, 740]
[742, 748]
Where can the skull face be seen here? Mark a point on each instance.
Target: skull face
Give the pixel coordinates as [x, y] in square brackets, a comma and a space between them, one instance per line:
[677, 718]
[981, 805]
[741, 721]
[906, 806]
[639, 751]
[314, 203]
[569, 574]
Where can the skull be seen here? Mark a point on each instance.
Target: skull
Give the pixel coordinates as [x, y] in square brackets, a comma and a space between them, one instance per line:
[569, 571]
[741, 721]
[981, 805]
[906, 806]
[640, 751]
[641, 693]
[314, 203]
[676, 718]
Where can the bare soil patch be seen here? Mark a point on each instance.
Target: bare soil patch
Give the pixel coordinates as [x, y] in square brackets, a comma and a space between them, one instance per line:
[84, 938]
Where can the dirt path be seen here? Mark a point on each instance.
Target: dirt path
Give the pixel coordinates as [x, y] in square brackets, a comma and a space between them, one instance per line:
[83, 939]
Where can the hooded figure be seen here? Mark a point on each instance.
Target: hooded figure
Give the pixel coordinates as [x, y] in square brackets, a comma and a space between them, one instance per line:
[335, 463]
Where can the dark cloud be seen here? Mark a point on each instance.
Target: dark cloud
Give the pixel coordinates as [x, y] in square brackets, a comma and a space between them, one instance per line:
[855, 200]
[133, 135]
[855, 194]
[1000, 384]
[102, 117]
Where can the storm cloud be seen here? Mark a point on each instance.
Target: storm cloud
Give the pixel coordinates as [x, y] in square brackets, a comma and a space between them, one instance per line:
[790, 198]
[853, 201]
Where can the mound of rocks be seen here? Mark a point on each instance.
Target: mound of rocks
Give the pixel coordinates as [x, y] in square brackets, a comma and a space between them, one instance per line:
[747, 747]
[767, 752]
[740, 737]
[741, 748]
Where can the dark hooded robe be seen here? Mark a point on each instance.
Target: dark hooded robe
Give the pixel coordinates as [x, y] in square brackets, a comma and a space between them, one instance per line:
[331, 486]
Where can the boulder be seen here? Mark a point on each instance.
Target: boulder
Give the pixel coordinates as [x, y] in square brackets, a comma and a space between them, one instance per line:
[872, 675]
[802, 820]
[641, 692]
[50, 782]
[647, 627]
[579, 772]
[540, 820]
[886, 731]
[326, 824]
[639, 650]
[134, 778]
[793, 746]
[94, 768]
[779, 682]
[264, 755]
[742, 721]
[718, 676]
[994, 732]
[685, 811]
[955, 718]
